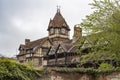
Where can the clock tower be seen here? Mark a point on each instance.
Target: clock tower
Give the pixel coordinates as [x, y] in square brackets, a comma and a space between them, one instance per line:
[58, 30]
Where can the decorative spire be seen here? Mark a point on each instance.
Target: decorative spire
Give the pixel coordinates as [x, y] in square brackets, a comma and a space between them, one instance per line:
[58, 9]
[58, 21]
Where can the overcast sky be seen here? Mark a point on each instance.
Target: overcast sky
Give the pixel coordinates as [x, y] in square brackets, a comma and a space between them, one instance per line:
[20, 19]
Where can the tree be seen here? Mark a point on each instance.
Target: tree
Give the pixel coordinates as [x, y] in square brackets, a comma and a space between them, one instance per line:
[103, 28]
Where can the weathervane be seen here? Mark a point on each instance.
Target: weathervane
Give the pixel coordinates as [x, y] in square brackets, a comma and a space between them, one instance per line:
[58, 8]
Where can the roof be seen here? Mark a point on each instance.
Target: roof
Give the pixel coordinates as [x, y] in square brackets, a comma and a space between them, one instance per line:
[35, 44]
[68, 46]
[58, 21]
[21, 46]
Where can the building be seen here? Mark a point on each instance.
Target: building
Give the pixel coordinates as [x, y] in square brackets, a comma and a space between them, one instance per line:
[58, 37]
[62, 55]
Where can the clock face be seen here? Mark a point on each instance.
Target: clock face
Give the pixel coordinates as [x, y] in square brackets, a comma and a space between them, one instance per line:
[51, 31]
[63, 30]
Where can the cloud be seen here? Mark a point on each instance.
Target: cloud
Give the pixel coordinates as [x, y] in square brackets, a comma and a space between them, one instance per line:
[20, 19]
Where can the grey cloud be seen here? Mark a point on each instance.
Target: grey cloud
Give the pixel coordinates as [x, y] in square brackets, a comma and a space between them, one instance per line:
[20, 19]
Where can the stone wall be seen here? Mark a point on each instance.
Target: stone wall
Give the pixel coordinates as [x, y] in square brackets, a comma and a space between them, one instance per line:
[71, 76]
[77, 76]
[113, 76]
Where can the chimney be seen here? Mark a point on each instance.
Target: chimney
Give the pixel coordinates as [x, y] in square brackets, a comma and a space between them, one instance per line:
[27, 41]
[77, 33]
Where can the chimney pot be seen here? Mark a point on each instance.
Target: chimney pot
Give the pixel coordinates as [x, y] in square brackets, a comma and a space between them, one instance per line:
[77, 33]
[27, 41]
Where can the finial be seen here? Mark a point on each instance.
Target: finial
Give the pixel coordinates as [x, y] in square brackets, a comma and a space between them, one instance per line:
[58, 8]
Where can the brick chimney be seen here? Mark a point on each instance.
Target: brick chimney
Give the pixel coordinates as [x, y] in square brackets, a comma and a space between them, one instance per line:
[27, 41]
[77, 33]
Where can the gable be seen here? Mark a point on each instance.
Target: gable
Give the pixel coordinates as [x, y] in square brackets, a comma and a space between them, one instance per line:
[52, 50]
[21, 47]
[56, 49]
[46, 43]
[60, 49]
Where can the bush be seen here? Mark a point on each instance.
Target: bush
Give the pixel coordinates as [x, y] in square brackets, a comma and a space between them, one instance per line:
[105, 66]
[13, 70]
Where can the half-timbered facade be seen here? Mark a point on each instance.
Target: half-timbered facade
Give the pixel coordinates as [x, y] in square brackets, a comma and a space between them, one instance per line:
[62, 55]
[58, 33]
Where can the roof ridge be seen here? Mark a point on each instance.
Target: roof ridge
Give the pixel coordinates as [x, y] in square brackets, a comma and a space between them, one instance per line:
[39, 39]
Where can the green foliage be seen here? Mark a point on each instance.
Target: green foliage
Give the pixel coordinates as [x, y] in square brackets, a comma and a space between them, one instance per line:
[75, 70]
[90, 57]
[30, 64]
[92, 71]
[103, 28]
[13, 70]
[105, 66]
[80, 44]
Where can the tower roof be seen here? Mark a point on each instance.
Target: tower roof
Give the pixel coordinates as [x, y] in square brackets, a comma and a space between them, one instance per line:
[58, 21]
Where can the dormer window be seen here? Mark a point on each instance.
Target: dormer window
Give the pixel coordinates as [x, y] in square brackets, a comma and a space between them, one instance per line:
[52, 31]
[63, 30]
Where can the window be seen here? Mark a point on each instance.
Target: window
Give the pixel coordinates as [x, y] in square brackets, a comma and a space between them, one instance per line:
[52, 31]
[63, 30]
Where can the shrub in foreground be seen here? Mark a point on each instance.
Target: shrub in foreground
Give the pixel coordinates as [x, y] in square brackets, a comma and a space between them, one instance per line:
[13, 70]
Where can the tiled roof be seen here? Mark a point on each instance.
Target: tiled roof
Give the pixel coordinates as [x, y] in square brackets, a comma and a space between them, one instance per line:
[73, 48]
[58, 21]
[66, 46]
[35, 43]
